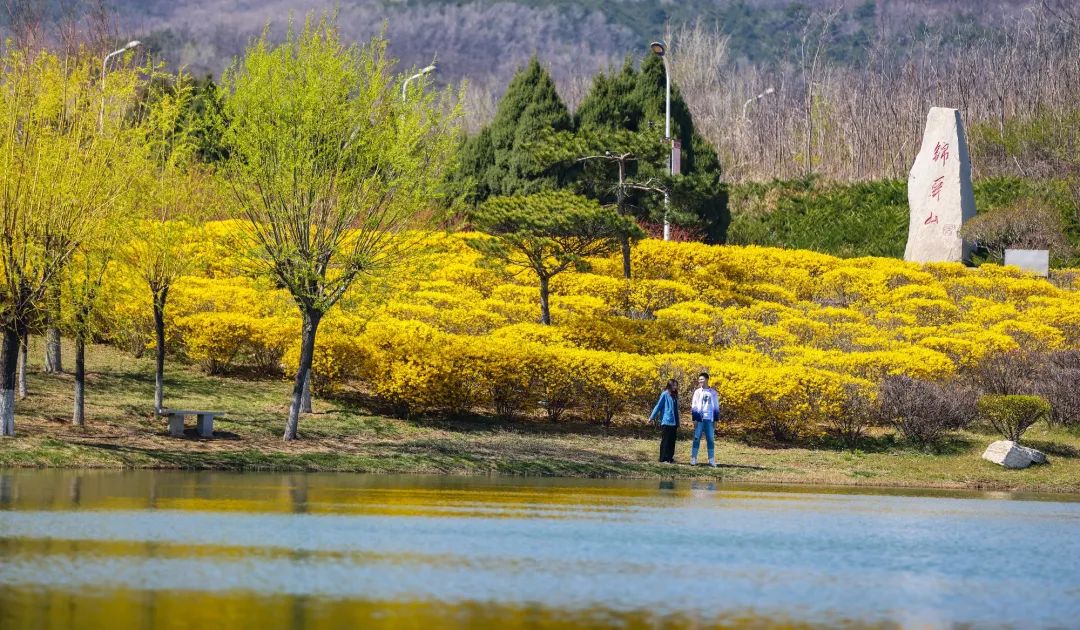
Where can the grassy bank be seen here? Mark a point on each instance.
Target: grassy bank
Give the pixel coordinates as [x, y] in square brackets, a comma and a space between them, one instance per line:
[346, 434]
[865, 218]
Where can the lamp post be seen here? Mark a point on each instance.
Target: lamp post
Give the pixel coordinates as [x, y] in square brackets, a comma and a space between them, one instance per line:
[405, 85]
[659, 49]
[756, 98]
[104, 64]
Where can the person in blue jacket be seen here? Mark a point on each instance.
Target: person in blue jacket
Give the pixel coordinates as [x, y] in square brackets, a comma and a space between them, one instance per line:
[667, 412]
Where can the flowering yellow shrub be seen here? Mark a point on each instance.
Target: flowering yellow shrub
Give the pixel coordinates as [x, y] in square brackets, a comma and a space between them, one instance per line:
[785, 334]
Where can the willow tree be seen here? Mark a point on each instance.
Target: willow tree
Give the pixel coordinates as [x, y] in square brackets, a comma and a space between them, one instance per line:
[82, 292]
[329, 166]
[58, 177]
[173, 198]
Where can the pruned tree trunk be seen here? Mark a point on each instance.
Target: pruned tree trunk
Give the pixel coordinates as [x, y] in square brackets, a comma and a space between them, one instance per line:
[54, 363]
[305, 400]
[9, 360]
[545, 307]
[79, 417]
[24, 352]
[160, 296]
[307, 352]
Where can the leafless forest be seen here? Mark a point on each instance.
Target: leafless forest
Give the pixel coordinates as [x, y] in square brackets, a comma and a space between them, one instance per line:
[799, 113]
[865, 122]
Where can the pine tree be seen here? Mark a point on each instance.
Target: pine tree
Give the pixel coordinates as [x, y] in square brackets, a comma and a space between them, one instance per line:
[497, 161]
[635, 101]
[609, 104]
[607, 157]
[547, 234]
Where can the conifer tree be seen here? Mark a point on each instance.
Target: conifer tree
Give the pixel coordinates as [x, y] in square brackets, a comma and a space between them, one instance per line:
[547, 234]
[609, 104]
[600, 151]
[497, 161]
[635, 101]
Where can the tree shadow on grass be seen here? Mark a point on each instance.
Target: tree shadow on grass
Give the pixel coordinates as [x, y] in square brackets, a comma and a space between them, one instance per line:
[557, 456]
[892, 443]
[1053, 448]
[356, 401]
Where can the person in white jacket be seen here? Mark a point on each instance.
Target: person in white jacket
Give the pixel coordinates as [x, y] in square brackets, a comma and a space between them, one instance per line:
[705, 409]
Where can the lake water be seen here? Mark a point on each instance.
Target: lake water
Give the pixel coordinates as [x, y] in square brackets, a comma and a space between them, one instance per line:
[157, 550]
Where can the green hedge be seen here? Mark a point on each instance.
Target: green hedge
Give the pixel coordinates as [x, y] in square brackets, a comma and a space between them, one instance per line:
[862, 219]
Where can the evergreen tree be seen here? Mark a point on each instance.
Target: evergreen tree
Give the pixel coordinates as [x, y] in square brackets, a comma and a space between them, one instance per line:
[635, 101]
[497, 161]
[609, 104]
[475, 155]
[547, 234]
[599, 152]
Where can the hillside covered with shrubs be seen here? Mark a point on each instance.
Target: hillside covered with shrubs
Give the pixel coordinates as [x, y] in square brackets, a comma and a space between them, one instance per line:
[798, 343]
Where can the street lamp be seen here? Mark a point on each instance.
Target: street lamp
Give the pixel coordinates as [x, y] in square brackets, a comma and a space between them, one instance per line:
[659, 49]
[405, 85]
[756, 98]
[104, 64]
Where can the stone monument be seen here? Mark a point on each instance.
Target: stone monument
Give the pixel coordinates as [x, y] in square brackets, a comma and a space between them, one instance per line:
[939, 191]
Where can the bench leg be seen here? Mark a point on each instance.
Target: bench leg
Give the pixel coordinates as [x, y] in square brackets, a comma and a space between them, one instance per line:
[204, 424]
[176, 425]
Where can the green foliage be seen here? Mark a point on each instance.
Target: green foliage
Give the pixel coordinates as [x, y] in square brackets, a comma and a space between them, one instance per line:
[326, 159]
[864, 219]
[64, 167]
[609, 104]
[1011, 416]
[327, 164]
[497, 161]
[1046, 142]
[548, 233]
[635, 101]
[868, 218]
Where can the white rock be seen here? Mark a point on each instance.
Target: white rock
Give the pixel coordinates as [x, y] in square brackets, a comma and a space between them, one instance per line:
[1011, 455]
[940, 195]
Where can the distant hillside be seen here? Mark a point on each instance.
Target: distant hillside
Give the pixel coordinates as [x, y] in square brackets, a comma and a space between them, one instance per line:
[486, 40]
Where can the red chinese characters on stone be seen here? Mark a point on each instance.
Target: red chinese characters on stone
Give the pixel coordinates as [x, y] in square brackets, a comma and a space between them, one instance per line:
[933, 218]
[935, 190]
[941, 152]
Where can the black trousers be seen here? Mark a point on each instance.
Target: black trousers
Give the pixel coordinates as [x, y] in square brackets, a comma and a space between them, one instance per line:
[668, 435]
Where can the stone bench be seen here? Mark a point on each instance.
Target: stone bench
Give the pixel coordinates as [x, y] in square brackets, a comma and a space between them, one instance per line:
[204, 423]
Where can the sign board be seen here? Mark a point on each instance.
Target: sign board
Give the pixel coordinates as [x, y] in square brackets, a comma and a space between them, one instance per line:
[676, 158]
[1033, 260]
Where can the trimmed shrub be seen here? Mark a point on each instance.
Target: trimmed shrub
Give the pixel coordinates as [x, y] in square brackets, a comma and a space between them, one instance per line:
[1026, 224]
[1011, 416]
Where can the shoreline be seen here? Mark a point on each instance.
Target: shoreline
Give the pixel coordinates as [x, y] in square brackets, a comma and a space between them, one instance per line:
[73, 456]
[347, 433]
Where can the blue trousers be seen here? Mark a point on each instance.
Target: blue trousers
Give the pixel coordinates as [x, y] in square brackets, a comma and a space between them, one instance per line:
[708, 429]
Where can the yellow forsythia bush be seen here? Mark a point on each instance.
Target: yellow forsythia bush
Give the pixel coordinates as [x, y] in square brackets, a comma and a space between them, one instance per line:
[784, 333]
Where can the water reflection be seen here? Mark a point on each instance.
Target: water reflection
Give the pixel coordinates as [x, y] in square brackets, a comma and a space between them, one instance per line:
[153, 610]
[191, 550]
